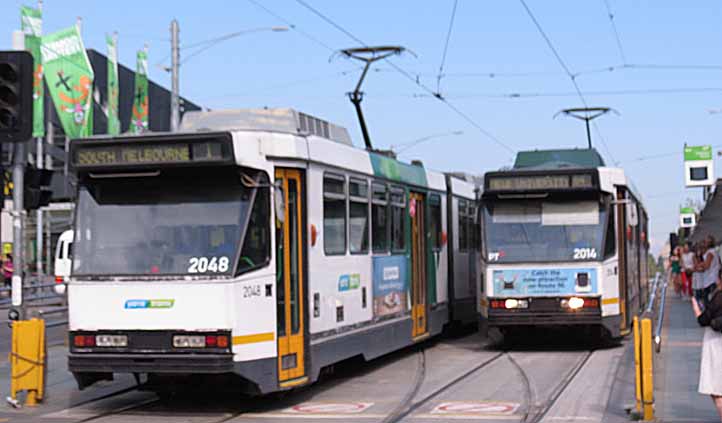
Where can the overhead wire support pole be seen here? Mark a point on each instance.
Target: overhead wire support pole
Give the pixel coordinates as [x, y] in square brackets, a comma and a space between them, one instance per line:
[175, 68]
[368, 55]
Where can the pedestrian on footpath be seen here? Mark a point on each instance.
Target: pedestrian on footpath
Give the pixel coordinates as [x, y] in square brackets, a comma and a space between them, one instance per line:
[7, 268]
[675, 263]
[698, 274]
[710, 372]
[687, 268]
[710, 268]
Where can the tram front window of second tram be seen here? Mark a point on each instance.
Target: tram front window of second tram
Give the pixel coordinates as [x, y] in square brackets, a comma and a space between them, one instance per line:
[179, 223]
[544, 230]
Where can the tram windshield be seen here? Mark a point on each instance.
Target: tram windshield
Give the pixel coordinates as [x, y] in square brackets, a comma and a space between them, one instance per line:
[544, 231]
[161, 225]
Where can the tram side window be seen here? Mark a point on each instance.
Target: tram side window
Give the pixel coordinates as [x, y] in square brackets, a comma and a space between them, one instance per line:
[435, 222]
[358, 216]
[610, 243]
[379, 218]
[473, 230]
[256, 250]
[334, 214]
[398, 223]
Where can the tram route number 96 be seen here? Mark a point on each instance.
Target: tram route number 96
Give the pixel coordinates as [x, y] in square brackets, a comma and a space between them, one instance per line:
[208, 264]
[585, 253]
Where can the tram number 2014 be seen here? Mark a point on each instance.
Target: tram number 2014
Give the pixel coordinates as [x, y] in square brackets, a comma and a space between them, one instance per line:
[208, 264]
[585, 253]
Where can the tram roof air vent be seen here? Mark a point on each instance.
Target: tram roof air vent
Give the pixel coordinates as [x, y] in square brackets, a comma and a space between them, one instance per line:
[279, 120]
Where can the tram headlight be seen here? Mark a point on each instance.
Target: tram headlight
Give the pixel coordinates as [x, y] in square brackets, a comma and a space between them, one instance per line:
[573, 303]
[512, 303]
[189, 341]
[111, 340]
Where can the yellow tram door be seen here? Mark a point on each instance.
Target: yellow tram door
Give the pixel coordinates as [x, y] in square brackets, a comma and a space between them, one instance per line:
[289, 279]
[418, 266]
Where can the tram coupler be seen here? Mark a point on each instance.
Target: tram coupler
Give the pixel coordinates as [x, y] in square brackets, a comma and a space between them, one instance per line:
[27, 362]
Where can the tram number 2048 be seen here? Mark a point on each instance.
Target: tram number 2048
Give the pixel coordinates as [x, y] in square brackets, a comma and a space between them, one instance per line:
[208, 264]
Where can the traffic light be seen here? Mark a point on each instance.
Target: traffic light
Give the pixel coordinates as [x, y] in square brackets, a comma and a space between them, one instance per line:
[16, 96]
[36, 193]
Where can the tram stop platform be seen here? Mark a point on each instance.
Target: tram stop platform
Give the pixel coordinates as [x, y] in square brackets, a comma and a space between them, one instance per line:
[676, 371]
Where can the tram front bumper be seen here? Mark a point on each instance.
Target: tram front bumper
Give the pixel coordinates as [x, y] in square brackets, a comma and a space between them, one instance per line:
[150, 363]
[543, 312]
[504, 318]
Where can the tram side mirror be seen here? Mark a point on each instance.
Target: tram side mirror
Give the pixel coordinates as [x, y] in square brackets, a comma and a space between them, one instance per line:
[279, 201]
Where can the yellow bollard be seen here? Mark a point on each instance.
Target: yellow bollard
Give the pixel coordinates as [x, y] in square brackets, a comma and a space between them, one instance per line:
[27, 360]
[647, 370]
[637, 367]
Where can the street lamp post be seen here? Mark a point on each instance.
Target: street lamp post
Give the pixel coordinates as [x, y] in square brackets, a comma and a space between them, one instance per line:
[174, 69]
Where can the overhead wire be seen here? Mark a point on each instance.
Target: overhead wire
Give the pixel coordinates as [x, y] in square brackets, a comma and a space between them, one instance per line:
[412, 78]
[292, 84]
[446, 48]
[292, 25]
[616, 32]
[568, 72]
[661, 155]
[641, 91]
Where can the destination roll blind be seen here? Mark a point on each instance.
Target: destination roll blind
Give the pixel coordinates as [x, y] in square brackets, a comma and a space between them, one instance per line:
[128, 154]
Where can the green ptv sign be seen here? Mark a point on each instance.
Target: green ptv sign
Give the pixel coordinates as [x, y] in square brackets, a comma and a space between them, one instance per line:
[70, 80]
[686, 210]
[695, 153]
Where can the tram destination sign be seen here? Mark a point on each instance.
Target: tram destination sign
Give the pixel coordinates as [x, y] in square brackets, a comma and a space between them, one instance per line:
[509, 182]
[126, 153]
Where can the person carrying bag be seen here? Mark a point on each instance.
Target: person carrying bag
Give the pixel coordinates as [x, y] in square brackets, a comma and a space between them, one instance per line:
[710, 372]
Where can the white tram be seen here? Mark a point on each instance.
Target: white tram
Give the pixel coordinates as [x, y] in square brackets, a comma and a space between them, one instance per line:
[565, 242]
[260, 246]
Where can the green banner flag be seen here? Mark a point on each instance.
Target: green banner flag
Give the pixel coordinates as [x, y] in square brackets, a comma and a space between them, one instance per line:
[31, 25]
[113, 119]
[139, 123]
[70, 80]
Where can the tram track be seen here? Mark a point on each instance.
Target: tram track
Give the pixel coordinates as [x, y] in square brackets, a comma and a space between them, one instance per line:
[406, 407]
[535, 414]
[532, 413]
[146, 407]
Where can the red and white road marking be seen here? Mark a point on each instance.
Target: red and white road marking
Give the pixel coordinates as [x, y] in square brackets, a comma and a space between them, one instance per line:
[476, 408]
[329, 408]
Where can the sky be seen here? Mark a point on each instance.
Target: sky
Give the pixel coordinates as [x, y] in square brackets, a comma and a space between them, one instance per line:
[502, 82]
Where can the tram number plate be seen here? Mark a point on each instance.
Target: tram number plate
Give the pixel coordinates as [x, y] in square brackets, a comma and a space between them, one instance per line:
[208, 264]
[585, 253]
[251, 291]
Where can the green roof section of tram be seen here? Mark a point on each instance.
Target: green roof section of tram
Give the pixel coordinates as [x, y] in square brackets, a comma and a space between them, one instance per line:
[395, 170]
[558, 159]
